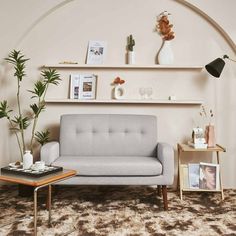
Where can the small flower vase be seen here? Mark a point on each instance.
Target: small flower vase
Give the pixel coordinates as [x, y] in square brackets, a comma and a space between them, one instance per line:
[131, 57]
[119, 92]
[210, 135]
[27, 160]
[165, 55]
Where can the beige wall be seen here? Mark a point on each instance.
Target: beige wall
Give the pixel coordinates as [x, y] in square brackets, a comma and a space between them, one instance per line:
[52, 31]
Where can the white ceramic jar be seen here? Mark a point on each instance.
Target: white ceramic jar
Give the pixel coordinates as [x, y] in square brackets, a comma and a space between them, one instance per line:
[27, 160]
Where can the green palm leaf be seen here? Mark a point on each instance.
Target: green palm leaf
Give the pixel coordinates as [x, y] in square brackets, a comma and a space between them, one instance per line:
[42, 137]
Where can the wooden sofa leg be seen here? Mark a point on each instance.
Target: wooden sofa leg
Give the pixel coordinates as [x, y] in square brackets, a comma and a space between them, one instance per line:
[159, 190]
[164, 194]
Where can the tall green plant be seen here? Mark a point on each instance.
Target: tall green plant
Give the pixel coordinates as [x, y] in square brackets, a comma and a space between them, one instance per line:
[20, 122]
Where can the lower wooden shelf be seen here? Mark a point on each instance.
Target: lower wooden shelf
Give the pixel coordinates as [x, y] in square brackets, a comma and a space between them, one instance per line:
[127, 101]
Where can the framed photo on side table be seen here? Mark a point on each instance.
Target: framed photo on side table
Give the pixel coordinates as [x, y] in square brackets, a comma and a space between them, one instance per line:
[96, 52]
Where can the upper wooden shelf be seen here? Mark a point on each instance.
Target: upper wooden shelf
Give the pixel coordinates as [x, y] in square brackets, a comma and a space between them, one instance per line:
[85, 66]
[130, 101]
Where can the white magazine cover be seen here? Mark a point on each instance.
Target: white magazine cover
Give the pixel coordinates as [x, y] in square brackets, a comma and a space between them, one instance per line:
[209, 176]
[193, 174]
[96, 52]
[74, 86]
[87, 86]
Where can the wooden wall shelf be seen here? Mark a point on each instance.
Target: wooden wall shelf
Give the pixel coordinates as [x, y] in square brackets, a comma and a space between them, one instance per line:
[131, 101]
[133, 67]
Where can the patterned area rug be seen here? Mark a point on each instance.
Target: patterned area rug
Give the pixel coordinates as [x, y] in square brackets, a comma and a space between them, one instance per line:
[118, 211]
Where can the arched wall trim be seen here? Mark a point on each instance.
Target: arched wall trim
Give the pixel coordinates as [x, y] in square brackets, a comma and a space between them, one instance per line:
[183, 2]
[212, 22]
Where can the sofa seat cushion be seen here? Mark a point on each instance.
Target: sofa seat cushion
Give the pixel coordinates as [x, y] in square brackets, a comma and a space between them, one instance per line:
[111, 165]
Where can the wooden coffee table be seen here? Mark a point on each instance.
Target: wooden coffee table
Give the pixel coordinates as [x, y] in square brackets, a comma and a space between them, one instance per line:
[38, 183]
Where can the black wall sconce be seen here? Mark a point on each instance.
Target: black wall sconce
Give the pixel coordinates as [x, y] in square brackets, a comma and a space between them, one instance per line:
[216, 67]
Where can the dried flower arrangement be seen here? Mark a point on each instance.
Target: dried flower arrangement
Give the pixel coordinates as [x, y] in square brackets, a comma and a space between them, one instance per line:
[164, 27]
[203, 113]
[118, 80]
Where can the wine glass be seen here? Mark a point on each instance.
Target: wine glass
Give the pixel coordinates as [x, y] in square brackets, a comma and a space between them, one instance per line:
[142, 92]
[149, 92]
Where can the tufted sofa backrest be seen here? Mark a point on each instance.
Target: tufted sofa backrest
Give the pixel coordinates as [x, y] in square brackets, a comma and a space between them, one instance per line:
[108, 135]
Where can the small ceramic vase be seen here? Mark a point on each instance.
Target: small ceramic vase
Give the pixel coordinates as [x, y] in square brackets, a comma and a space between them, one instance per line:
[119, 92]
[210, 136]
[27, 160]
[165, 55]
[131, 57]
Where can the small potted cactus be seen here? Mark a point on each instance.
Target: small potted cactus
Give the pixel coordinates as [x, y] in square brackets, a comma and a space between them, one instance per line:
[130, 48]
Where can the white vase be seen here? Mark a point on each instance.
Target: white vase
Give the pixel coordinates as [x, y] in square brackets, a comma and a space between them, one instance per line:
[165, 55]
[131, 57]
[27, 160]
[119, 92]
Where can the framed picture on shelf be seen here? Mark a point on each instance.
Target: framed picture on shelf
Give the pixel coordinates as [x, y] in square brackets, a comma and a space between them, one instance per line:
[87, 86]
[193, 174]
[96, 52]
[209, 176]
[74, 86]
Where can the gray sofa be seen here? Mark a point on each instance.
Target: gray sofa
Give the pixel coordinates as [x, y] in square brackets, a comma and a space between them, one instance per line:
[112, 150]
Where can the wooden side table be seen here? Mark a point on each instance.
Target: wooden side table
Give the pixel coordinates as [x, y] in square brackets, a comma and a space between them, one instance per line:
[38, 183]
[183, 169]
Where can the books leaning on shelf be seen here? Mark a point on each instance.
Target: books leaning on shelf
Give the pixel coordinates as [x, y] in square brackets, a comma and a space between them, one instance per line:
[203, 176]
[83, 86]
[197, 145]
[193, 175]
[209, 177]
[96, 52]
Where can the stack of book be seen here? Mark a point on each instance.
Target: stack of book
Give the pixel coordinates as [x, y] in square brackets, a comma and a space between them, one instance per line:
[197, 145]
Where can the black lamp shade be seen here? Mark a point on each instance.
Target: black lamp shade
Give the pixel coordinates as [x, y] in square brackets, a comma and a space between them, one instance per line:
[215, 67]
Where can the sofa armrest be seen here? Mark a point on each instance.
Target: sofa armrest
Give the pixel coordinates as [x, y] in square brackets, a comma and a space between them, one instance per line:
[165, 153]
[49, 152]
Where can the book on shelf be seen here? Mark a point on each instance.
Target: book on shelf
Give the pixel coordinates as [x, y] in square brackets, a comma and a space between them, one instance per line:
[209, 177]
[185, 176]
[193, 175]
[83, 86]
[96, 52]
[197, 145]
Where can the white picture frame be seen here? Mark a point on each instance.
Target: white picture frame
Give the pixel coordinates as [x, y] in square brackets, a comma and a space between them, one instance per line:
[194, 175]
[74, 86]
[87, 86]
[96, 52]
[209, 176]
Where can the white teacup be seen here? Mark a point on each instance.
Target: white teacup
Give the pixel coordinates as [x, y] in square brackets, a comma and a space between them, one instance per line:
[39, 165]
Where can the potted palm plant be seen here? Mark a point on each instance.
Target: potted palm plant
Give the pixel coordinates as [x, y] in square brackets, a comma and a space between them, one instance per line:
[19, 121]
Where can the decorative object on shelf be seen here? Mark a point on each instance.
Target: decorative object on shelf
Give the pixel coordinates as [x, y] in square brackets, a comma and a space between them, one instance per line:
[118, 91]
[130, 48]
[96, 52]
[146, 93]
[27, 160]
[165, 55]
[20, 122]
[216, 67]
[172, 97]
[68, 62]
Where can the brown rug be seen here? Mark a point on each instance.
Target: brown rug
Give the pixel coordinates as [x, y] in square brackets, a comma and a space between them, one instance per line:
[118, 211]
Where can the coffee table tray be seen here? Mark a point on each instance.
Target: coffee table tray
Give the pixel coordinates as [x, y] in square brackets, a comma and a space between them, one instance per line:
[33, 173]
